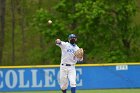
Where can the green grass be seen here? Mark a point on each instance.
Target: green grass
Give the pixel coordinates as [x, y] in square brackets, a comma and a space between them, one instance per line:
[87, 91]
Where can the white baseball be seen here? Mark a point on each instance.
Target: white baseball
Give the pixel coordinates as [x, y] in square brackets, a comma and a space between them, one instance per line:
[50, 21]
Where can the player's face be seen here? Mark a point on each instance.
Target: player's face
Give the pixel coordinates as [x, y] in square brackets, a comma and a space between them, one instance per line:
[72, 40]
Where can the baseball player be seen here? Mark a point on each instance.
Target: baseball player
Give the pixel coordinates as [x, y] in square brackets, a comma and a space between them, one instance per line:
[68, 61]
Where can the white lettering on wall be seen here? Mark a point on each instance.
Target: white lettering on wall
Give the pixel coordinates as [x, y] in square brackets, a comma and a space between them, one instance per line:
[78, 77]
[122, 67]
[49, 80]
[58, 77]
[19, 78]
[11, 74]
[34, 79]
[22, 84]
[1, 82]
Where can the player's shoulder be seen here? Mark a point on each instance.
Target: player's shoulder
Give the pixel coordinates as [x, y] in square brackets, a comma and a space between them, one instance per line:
[77, 46]
[65, 42]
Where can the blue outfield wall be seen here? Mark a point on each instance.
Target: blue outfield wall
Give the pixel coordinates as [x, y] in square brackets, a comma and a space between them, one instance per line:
[88, 77]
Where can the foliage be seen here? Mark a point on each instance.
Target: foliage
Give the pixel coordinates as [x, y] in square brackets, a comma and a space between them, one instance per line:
[105, 29]
[50, 32]
[108, 26]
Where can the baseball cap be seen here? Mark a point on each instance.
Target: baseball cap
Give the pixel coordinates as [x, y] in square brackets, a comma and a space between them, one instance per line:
[72, 36]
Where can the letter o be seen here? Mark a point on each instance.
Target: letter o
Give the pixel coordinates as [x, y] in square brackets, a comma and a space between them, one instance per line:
[11, 83]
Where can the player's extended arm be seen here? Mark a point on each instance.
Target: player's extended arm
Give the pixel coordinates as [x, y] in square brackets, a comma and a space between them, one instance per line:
[60, 43]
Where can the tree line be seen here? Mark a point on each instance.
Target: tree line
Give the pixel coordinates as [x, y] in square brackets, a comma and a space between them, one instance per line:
[106, 30]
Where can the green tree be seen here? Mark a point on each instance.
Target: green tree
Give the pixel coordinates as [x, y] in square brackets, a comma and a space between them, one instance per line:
[50, 33]
[107, 28]
[2, 28]
[104, 27]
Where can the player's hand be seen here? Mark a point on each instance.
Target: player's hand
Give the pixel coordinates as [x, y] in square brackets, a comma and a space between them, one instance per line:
[58, 41]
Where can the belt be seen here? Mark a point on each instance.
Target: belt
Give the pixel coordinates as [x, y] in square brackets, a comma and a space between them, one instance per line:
[67, 65]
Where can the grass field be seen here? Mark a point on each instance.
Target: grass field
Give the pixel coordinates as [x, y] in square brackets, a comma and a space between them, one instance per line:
[87, 91]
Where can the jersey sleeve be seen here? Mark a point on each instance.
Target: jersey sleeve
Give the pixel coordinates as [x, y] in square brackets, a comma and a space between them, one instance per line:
[61, 44]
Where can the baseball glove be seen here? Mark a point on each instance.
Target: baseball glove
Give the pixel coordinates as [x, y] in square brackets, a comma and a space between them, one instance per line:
[79, 53]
